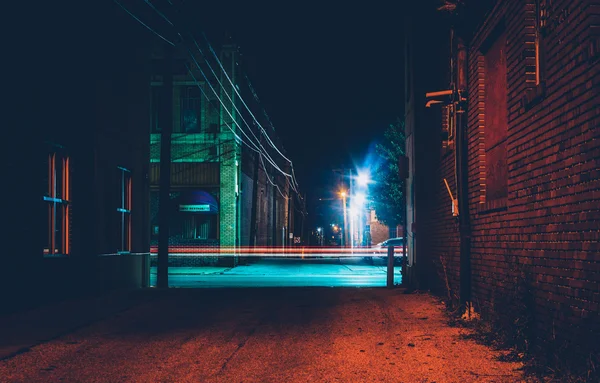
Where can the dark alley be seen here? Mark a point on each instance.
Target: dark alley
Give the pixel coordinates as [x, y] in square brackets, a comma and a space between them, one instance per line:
[256, 335]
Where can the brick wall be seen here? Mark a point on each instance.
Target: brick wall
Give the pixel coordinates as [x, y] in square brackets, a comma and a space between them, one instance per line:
[539, 244]
[379, 231]
[227, 217]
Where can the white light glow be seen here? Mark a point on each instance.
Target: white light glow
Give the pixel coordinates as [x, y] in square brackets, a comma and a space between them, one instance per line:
[359, 199]
[363, 178]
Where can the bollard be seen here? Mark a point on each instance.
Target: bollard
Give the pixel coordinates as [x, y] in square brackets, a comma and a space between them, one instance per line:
[390, 267]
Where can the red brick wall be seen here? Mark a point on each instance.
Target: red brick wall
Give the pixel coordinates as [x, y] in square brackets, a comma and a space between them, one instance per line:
[545, 234]
[379, 231]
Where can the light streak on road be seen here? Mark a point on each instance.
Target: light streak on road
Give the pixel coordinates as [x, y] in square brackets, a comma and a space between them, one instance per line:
[278, 251]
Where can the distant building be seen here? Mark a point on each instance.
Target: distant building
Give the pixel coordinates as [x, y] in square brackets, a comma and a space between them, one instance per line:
[377, 231]
[504, 202]
[214, 163]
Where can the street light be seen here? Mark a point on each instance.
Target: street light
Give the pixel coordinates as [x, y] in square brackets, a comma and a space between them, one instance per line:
[320, 235]
[363, 178]
[345, 240]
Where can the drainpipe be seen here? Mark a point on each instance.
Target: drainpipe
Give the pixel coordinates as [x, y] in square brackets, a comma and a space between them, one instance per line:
[462, 174]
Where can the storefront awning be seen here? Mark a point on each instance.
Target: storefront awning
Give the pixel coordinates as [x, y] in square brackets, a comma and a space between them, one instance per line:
[199, 202]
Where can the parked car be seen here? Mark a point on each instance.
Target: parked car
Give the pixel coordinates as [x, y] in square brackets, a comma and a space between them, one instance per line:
[380, 250]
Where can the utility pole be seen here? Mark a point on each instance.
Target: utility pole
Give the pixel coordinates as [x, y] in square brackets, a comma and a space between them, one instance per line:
[346, 191]
[274, 214]
[351, 191]
[289, 221]
[345, 233]
[302, 236]
[166, 124]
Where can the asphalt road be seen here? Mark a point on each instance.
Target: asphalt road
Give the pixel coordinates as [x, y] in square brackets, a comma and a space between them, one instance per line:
[264, 335]
[288, 272]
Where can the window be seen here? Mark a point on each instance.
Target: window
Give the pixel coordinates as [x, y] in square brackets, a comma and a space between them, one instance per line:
[154, 109]
[447, 126]
[190, 111]
[496, 117]
[213, 152]
[57, 199]
[213, 128]
[124, 211]
[541, 20]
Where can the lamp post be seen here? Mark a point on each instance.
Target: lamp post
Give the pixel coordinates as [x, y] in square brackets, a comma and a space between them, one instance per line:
[344, 238]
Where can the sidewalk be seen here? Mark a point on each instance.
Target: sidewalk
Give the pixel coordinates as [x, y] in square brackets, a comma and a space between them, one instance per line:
[22, 330]
[199, 270]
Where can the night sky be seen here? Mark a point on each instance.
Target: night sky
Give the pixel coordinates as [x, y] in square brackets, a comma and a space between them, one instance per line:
[330, 77]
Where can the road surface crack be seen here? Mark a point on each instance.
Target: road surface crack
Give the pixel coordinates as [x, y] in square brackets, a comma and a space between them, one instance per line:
[238, 348]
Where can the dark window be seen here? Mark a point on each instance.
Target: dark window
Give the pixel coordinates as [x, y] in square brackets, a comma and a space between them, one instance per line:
[180, 67]
[57, 198]
[496, 119]
[154, 109]
[199, 226]
[213, 128]
[190, 109]
[124, 211]
[213, 152]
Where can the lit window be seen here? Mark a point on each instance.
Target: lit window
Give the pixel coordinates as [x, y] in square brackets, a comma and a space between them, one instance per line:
[57, 198]
[541, 20]
[124, 211]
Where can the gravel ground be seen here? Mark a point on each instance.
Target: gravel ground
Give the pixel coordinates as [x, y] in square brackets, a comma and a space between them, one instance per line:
[266, 335]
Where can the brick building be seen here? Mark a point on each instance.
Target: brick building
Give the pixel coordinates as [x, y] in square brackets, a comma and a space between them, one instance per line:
[504, 206]
[79, 202]
[222, 192]
[378, 232]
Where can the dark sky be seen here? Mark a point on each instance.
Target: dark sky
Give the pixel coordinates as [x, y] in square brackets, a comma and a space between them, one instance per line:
[330, 77]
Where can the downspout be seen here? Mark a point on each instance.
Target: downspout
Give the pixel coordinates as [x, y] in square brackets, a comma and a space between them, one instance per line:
[462, 173]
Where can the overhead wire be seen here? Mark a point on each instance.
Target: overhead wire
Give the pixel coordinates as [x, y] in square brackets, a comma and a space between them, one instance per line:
[269, 159]
[255, 148]
[235, 107]
[144, 24]
[241, 98]
[292, 176]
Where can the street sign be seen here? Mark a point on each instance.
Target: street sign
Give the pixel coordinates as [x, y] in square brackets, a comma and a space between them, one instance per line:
[291, 235]
[297, 240]
[194, 208]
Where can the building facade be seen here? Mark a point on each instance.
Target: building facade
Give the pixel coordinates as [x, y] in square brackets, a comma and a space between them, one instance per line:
[80, 212]
[224, 194]
[504, 206]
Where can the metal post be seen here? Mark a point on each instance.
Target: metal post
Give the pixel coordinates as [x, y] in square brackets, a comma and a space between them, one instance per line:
[345, 233]
[166, 107]
[390, 266]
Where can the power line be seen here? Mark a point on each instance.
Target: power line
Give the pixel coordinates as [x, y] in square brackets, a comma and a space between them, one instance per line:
[252, 114]
[273, 163]
[141, 22]
[222, 87]
[257, 150]
[233, 103]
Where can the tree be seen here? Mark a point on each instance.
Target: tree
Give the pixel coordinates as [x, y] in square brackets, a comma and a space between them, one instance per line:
[388, 190]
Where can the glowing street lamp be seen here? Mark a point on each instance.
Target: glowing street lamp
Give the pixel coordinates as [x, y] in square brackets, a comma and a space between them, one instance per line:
[345, 240]
[363, 178]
